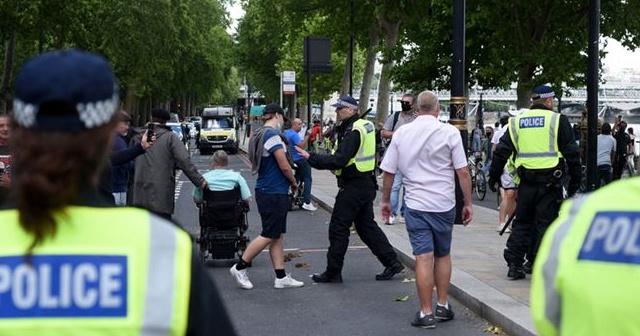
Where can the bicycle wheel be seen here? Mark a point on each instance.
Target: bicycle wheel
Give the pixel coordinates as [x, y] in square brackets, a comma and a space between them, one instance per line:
[481, 186]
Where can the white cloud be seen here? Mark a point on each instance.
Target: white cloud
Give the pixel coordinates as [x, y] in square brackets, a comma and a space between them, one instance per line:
[235, 12]
[619, 57]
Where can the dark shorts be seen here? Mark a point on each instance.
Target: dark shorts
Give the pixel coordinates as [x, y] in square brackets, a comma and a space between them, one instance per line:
[273, 209]
[430, 231]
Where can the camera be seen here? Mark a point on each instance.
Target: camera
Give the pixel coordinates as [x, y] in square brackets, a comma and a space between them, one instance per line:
[150, 132]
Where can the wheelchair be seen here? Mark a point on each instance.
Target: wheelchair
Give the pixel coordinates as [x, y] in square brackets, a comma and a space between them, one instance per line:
[223, 224]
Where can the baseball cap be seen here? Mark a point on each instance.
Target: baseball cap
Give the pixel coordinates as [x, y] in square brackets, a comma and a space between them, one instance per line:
[346, 101]
[274, 108]
[70, 78]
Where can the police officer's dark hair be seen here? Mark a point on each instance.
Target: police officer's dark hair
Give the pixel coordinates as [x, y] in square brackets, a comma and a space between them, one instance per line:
[52, 169]
[605, 129]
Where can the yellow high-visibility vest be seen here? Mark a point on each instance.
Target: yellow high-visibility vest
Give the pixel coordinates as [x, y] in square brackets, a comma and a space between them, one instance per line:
[107, 271]
[586, 273]
[534, 134]
[365, 158]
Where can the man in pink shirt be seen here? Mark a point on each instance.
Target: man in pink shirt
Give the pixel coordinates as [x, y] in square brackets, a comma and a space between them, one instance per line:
[432, 153]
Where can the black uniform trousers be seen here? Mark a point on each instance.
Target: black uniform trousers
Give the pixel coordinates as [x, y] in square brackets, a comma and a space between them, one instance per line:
[354, 204]
[537, 207]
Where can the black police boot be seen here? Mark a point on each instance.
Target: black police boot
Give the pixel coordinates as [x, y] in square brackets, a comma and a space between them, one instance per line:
[528, 267]
[390, 271]
[327, 278]
[516, 272]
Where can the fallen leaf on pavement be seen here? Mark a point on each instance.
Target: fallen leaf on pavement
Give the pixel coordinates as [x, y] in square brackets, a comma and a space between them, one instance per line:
[302, 265]
[402, 298]
[496, 330]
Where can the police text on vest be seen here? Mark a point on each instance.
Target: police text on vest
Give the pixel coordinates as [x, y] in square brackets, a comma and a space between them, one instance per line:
[63, 286]
[614, 236]
[531, 122]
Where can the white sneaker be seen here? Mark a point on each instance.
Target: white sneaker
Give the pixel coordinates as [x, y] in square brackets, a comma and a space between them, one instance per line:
[287, 282]
[401, 220]
[499, 228]
[391, 220]
[309, 206]
[241, 277]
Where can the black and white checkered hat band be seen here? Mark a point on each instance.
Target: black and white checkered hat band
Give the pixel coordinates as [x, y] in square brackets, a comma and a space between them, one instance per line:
[346, 104]
[544, 95]
[91, 114]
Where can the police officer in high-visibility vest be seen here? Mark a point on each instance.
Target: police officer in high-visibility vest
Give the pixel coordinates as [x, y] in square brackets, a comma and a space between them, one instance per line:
[70, 263]
[542, 143]
[585, 279]
[354, 164]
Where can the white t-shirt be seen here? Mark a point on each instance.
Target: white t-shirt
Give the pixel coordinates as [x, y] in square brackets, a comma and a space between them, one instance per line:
[427, 153]
[498, 134]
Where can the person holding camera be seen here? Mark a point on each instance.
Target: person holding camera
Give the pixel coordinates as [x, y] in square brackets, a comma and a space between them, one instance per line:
[154, 181]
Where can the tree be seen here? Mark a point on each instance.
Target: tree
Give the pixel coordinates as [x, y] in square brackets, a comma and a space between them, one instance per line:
[530, 43]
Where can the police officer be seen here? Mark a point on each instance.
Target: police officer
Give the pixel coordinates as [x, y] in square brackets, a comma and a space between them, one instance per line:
[585, 279]
[354, 163]
[543, 145]
[71, 263]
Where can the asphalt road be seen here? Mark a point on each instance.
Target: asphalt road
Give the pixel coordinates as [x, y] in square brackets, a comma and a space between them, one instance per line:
[359, 306]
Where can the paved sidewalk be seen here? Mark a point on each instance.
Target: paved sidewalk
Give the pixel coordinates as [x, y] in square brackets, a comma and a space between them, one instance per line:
[479, 272]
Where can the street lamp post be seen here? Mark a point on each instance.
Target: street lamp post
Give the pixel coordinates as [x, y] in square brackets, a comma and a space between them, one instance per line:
[458, 107]
[592, 92]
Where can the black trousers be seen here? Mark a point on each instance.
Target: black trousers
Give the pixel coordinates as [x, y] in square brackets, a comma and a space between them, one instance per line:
[538, 205]
[354, 204]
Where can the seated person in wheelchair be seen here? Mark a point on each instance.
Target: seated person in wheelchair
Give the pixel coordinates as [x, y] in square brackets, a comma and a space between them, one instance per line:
[223, 179]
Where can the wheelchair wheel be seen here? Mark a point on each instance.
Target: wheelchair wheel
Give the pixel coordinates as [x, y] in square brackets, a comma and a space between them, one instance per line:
[481, 186]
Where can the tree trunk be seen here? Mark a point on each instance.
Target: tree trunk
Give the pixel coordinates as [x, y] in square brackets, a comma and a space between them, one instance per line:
[369, 68]
[391, 30]
[346, 76]
[7, 70]
[525, 85]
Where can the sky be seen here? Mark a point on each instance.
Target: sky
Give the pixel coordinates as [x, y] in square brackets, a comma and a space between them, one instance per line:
[618, 57]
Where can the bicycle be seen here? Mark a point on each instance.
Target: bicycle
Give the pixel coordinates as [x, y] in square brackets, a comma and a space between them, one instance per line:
[478, 179]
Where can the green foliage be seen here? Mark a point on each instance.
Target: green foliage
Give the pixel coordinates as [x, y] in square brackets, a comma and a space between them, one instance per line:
[159, 49]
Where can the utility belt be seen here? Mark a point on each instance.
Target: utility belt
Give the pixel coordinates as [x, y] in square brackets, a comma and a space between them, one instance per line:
[549, 175]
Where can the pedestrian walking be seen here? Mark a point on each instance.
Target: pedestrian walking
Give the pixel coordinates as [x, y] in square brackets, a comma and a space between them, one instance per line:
[428, 167]
[585, 279]
[622, 142]
[70, 263]
[393, 123]
[154, 177]
[543, 144]
[268, 155]
[508, 188]
[354, 164]
[606, 155]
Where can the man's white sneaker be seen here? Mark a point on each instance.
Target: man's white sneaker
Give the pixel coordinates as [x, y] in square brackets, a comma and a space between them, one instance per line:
[241, 277]
[309, 206]
[287, 282]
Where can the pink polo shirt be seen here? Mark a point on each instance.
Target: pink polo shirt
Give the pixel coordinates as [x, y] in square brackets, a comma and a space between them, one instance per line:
[427, 153]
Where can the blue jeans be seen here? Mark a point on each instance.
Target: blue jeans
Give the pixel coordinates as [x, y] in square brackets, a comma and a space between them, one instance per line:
[395, 195]
[304, 172]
